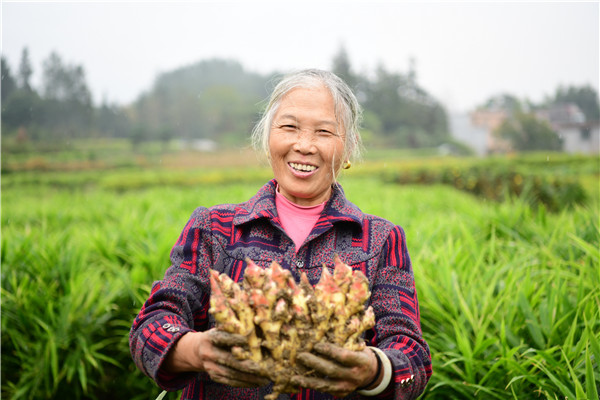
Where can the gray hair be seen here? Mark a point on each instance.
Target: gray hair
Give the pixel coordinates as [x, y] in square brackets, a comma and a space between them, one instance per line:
[347, 109]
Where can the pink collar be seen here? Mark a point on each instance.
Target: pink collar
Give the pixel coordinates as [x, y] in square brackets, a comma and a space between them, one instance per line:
[297, 221]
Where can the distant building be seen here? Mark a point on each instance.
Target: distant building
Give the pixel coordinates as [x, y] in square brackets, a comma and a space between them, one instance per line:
[462, 129]
[577, 134]
[568, 113]
[580, 138]
[490, 120]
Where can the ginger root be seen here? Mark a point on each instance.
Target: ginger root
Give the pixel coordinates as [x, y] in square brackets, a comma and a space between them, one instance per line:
[281, 318]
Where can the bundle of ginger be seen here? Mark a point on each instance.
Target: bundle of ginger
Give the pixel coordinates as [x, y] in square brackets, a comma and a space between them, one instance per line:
[281, 318]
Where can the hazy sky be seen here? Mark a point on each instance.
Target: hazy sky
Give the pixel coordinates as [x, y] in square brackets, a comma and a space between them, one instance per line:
[465, 52]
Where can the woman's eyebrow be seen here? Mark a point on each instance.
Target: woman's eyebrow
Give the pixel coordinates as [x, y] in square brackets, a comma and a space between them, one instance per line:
[327, 122]
[288, 116]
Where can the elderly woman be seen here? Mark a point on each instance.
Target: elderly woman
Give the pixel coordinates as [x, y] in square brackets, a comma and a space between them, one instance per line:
[301, 219]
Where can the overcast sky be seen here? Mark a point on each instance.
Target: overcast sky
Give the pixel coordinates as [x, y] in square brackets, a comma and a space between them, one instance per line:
[465, 52]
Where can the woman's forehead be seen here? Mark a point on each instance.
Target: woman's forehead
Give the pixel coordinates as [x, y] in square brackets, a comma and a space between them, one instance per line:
[304, 100]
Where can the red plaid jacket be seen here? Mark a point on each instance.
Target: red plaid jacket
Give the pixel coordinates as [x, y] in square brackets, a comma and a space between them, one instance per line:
[221, 237]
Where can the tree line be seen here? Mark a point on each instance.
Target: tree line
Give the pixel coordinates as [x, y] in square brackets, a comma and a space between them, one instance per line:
[219, 100]
[212, 99]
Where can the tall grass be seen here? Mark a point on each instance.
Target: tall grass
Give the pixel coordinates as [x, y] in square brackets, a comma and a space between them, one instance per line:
[76, 267]
[509, 295]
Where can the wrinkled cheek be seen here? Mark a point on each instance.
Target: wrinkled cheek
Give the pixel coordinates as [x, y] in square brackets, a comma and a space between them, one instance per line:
[338, 160]
[277, 168]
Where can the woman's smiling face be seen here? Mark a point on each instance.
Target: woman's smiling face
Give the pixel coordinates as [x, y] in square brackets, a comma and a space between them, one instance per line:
[306, 145]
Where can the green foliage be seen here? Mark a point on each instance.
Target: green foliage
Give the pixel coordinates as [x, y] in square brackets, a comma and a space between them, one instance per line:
[405, 115]
[342, 67]
[67, 102]
[204, 100]
[527, 133]
[517, 305]
[22, 108]
[499, 180]
[9, 84]
[64, 109]
[211, 99]
[64, 82]
[77, 265]
[110, 120]
[25, 70]
[509, 295]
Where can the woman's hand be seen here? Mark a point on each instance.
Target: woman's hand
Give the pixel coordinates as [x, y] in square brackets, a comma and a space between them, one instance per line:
[210, 352]
[339, 371]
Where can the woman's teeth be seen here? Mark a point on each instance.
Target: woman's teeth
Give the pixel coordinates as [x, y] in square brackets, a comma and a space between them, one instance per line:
[303, 167]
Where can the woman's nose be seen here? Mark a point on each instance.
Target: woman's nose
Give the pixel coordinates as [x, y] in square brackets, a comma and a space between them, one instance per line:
[305, 142]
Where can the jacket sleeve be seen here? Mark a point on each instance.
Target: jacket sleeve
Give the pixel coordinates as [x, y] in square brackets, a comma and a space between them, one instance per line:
[178, 304]
[398, 328]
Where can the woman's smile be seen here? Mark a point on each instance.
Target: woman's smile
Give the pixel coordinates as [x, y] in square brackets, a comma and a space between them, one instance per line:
[303, 170]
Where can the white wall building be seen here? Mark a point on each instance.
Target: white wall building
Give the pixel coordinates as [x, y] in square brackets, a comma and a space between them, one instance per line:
[577, 134]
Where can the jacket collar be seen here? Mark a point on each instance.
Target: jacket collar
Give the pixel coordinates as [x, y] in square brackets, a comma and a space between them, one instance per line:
[262, 205]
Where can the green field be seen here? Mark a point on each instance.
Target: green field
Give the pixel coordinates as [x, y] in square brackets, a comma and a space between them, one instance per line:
[509, 286]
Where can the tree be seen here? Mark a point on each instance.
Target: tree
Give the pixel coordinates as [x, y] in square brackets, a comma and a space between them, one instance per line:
[341, 67]
[25, 70]
[212, 99]
[506, 102]
[385, 101]
[64, 82]
[111, 120]
[21, 109]
[408, 116]
[20, 105]
[9, 85]
[527, 133]
[67, 102]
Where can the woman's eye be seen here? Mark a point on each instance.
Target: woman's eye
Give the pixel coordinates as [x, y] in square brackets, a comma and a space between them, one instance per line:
[324, 132]
[288, 126]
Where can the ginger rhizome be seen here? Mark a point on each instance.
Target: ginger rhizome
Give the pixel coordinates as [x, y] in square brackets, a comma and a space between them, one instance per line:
[281, 318]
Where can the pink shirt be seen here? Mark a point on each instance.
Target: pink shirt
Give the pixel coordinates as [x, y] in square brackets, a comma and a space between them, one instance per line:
[297, 221]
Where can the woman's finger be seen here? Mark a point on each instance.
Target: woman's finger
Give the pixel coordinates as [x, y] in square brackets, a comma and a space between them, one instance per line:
[225, 339]
[343, 356]
[322, 366]
[224, 367]
[337, 388]
[248, 366]
[229, 381]
[250, 379]
[235, 377]
[354, 367]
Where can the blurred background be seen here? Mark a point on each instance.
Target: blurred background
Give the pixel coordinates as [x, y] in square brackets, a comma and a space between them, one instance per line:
[481, 139]
[458, 77]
